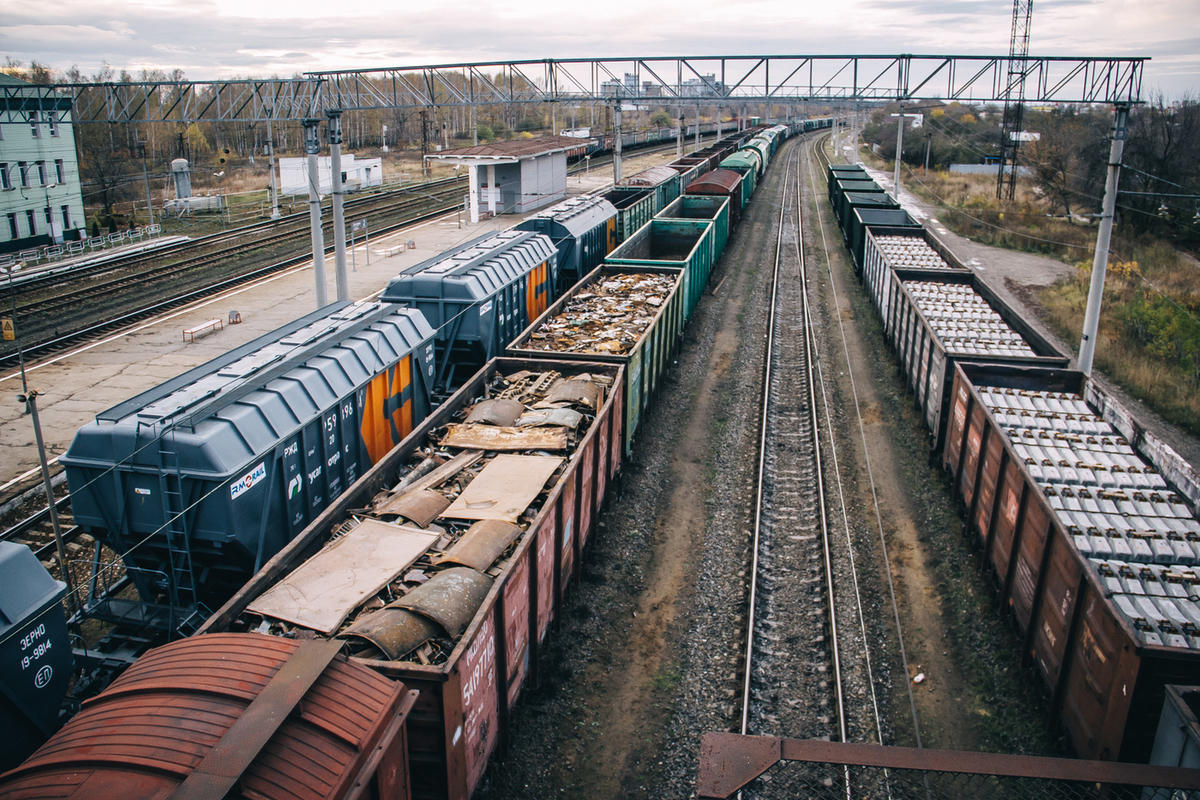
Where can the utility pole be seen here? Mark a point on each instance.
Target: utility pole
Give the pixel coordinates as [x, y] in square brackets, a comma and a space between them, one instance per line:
[1091, 318]
[341, 278]
[312, 146]
[424, 141]
[928, 140]
[145, 180]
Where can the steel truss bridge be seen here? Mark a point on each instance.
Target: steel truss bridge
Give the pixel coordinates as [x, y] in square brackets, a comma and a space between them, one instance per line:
[663, 80]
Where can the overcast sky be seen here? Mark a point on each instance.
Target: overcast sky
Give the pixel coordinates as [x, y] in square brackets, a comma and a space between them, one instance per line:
[247, 38]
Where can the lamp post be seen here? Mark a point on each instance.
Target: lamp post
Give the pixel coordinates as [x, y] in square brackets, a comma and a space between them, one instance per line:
[28, 397]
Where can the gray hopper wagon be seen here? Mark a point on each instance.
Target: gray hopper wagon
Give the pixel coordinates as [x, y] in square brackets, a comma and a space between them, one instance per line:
[478, 297]
[200, 480]
[583, 229]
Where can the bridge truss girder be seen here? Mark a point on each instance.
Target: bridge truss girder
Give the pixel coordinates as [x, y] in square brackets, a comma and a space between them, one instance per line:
[663, 80]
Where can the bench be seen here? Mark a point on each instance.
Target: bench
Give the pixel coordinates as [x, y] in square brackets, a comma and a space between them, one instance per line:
[190, 334]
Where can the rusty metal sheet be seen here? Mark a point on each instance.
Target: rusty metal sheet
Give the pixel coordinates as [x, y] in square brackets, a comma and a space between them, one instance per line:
[396, 632]
[497, 411]
[450, 598]
[504, 488]
[561, 417]
[322, 591]
[579, 391]
[420, 506]
[433, 478]
[492, 437]
[481, 545]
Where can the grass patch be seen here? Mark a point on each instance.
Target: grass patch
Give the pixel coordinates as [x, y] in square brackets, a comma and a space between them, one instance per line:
[1149, 338]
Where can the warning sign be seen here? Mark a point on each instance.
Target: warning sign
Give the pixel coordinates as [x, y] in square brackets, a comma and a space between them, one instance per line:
[6, 325]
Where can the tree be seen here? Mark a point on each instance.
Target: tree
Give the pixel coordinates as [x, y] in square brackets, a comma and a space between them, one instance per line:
[661, 119]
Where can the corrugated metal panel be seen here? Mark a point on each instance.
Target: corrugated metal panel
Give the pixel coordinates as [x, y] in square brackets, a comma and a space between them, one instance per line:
[149, 730]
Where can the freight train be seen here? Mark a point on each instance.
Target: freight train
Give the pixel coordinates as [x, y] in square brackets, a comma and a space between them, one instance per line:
[442, 565]
[1086, 520]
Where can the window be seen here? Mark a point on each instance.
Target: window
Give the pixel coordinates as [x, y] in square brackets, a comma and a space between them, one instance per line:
[32, 220]
[24, 170]
[33, 124]
[41, 170]
[5, 178]
[60, 172]
[53, 118]
[66, 214]
[13, 233]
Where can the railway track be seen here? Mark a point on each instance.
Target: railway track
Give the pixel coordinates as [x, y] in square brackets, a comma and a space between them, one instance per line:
[814, 658]
[792, 682]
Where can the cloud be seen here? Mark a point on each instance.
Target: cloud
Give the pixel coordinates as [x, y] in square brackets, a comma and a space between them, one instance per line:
[224, 38]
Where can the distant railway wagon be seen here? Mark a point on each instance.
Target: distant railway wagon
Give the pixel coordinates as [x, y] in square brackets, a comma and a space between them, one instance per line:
[241, 715]
[689, 169]
[852, 200]
[446, 563]
[632, 316]
[583, 230]
[212, 472]
[749, 163]
[837, 172]
[762, 146]
[878, 221]
[725, 183]
[699, 206]
[850, 183]
[1088, 523]
[478, 296]
[635, 207]
[662, 182]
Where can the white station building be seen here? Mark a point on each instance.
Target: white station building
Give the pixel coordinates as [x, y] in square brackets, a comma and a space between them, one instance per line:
[519, 176]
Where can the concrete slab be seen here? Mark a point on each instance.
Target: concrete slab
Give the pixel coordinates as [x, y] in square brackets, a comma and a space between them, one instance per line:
[79, 384]
[1012, 274]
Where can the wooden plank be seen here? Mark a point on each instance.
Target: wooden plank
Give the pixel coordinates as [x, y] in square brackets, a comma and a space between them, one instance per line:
[492, 437]
[322, 591]
[504, 488]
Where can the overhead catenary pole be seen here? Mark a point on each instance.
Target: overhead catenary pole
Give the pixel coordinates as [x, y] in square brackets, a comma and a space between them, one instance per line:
[617, 143]
[1091, 318]
[899, 150]
[697, 126]
[312, 146]
[341, 277]
[271, 164]
[679, 138]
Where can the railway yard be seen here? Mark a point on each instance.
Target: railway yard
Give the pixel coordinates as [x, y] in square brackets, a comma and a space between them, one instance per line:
[737, 519]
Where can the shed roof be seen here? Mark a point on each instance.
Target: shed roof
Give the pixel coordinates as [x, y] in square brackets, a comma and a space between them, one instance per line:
[509, 152]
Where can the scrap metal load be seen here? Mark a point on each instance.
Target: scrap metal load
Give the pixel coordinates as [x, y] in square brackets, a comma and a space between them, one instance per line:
[402, 578]
[609, 316]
